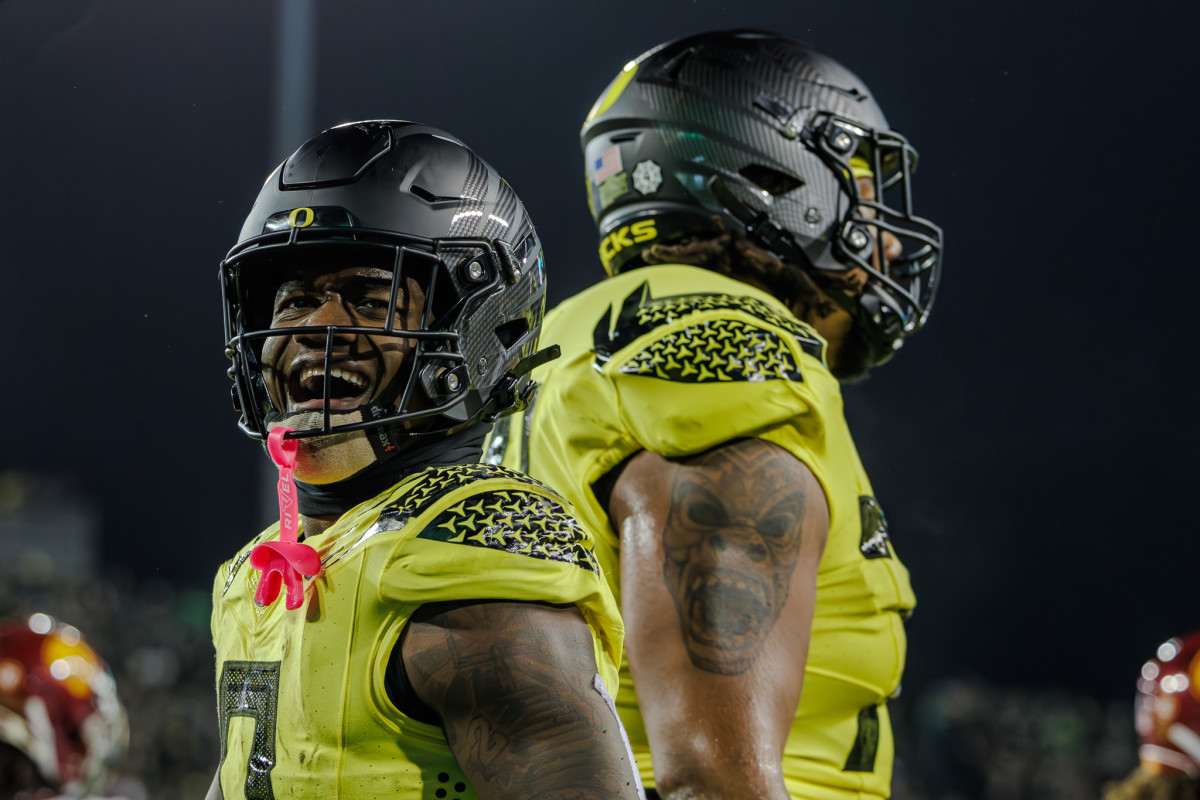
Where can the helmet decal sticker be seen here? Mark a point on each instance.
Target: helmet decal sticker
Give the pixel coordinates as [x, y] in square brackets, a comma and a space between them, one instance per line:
[647, 177]
[607, 165]
[301, 217]
[614, 187]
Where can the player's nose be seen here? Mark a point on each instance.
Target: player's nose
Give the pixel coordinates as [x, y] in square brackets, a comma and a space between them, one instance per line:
[330, 313]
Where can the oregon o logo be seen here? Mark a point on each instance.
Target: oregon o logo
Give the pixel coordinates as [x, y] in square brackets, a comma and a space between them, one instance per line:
[297, 221]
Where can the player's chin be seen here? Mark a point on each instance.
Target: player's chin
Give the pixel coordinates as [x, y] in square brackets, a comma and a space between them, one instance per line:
[333, 458]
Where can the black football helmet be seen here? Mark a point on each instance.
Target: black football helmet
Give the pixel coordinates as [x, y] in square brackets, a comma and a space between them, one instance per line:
[418, 203]
[769, 136]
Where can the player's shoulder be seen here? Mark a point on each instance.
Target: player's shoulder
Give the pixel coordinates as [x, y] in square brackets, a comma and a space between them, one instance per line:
[470, 490]
[435, 485]
[489, 507]
[691, 325]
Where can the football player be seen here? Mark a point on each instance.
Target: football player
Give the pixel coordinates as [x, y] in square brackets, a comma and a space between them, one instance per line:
[1167, 719]
[62, 727]
[755, 216]
[417, 625]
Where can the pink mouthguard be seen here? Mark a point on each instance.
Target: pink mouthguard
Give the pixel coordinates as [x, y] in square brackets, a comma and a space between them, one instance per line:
[285, 562]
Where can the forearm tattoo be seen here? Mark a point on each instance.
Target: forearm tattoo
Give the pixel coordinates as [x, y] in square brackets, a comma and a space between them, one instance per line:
[519, 711]
[731, 542]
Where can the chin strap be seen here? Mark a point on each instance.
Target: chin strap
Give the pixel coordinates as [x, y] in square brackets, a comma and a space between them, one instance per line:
[286, 561]
[508, 395]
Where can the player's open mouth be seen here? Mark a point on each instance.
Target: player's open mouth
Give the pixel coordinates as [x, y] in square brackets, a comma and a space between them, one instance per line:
[348, 389]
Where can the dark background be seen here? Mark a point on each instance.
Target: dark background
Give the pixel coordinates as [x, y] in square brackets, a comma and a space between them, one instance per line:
[1033, 447]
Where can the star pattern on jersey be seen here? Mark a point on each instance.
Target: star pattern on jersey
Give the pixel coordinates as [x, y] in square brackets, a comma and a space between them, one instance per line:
[519, 522]
[427, 486]
[711, 350]
[668, 309]
[719, 350]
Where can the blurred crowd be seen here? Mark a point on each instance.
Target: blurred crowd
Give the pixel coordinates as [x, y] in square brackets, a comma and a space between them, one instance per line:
[155, 637]
[963, 739]
[958, 739]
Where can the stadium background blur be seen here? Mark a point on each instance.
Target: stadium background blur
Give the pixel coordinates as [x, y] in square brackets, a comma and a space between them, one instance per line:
[1033, 448]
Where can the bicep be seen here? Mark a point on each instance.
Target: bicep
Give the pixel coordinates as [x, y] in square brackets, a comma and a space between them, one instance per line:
[719, 556]
[515, 685]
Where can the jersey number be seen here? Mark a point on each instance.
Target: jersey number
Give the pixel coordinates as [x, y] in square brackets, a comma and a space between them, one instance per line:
[251, 689]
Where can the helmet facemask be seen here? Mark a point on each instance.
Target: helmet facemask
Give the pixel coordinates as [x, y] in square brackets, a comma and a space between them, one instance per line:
[421, 296]
[900, 289]
[421, 292]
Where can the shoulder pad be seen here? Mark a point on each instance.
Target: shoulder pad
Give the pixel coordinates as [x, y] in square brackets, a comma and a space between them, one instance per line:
[529, 519]
[428, 486]
[748, 342]
[515, 521]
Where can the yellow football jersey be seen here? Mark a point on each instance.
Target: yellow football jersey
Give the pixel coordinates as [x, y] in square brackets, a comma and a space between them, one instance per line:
[677, 360]
[304, 713]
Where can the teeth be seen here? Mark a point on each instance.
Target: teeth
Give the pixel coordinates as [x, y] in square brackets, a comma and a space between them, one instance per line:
[352, 378]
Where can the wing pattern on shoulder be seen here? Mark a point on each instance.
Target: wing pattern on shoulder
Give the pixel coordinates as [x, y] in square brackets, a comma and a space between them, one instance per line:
[710, 350]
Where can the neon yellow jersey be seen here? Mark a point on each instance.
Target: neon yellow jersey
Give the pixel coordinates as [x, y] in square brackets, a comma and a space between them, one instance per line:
[304, 714]
[677, 360]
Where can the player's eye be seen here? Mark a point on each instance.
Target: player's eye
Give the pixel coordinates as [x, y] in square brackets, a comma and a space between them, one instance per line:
[373, 303]
[294, 302]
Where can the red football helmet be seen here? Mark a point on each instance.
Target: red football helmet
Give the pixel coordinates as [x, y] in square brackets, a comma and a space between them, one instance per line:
[1168, 708]
[58, 704]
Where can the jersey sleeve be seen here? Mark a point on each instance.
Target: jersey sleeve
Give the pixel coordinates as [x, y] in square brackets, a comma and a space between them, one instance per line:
[501, 538]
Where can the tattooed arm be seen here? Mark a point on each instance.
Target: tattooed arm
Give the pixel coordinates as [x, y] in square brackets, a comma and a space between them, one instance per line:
[719, 557]
[514, 686]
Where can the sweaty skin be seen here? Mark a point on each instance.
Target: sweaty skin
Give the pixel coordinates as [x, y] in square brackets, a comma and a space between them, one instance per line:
[719, 556]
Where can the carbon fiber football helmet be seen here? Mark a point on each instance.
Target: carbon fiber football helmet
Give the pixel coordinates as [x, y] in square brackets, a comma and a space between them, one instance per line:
[419, 205]
[770, 136]
[1167, 716]
[59, 705]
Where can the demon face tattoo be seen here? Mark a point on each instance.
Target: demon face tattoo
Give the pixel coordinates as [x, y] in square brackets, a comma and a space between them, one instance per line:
[731, 543]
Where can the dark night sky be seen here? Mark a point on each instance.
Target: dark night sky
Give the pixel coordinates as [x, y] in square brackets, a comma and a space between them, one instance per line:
[1033, 447]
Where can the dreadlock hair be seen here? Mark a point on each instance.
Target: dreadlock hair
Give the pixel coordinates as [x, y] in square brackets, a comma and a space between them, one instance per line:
[1141, 785]
[731, 254]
